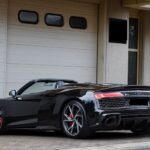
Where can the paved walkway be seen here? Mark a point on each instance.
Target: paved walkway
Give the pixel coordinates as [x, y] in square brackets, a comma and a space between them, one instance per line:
[29, 140]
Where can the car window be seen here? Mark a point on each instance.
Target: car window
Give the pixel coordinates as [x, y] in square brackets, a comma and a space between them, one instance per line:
[39, 87]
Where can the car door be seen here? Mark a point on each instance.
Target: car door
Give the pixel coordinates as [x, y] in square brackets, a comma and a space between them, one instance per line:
[23, 108]
[22, 111]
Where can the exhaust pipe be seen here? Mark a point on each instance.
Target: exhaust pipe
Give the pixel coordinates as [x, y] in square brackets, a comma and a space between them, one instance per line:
[111, 121]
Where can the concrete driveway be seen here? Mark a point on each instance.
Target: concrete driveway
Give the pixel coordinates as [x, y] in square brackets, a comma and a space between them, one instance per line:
[29, 140]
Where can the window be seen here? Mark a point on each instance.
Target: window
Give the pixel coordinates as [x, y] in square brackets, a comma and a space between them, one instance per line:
[39, 87]
[42, 86]
[78, 22]
[132, 68]
[30, 17]
[133, 33]
[118, 31]
[133, 55]
[54, 20]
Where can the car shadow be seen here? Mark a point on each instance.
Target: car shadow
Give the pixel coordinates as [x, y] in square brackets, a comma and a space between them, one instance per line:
[114, 135]
[117, 135]
[34, 133]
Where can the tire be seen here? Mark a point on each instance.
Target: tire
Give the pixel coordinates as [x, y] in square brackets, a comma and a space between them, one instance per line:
[74, 122]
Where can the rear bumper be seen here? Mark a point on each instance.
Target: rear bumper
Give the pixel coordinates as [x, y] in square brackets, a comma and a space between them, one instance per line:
[123, 119]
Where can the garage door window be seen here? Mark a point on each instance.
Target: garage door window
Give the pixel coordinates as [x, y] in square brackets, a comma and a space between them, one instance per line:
[78, 22]
[54, 20]
[30, 17]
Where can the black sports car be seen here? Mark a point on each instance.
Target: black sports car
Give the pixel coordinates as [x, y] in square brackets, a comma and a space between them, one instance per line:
[76, 109]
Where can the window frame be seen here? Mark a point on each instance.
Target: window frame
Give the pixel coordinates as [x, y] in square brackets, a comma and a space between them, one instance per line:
[28, 22]
[79, 18]
[54, 15]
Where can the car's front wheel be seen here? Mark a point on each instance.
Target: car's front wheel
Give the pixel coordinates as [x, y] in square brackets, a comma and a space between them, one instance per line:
[74, 120]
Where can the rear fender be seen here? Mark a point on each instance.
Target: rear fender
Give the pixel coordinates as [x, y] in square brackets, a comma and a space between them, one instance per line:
[61, 100]
[88, 101]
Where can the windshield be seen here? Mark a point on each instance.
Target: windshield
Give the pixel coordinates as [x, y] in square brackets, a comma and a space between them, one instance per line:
[40, 87]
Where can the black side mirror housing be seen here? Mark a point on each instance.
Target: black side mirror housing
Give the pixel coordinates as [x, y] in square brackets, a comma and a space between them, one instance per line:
[13, 93]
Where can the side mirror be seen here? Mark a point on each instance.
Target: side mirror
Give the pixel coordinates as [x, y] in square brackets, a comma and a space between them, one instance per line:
[13, 93]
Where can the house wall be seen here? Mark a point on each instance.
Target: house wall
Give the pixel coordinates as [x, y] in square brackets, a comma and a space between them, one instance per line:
[3, 44]
[116, 54]
[145, 22]
[102, 44]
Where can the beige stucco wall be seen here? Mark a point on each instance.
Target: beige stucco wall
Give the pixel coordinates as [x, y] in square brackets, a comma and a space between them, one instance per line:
[112, 57]
[116, 54]
[102, 44]
[145, 68]
[3, 44]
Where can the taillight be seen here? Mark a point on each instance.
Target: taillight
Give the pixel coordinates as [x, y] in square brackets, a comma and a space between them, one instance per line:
[108, 95]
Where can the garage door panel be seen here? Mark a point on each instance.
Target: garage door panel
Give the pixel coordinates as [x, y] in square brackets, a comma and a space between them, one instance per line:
[72, 7]
[24, 55]
[41, 51]
[2, 72]
[79, 76]
[53, 38]
[42, 26]
[22, 73]
[82, 42]
[2, 53]
[15, 48]
[51, 33]
[2, 69]
[53, 43]
[2, 77]
[2, 89]
[92, 19]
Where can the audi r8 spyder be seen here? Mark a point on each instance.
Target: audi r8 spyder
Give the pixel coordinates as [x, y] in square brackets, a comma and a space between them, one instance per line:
[77, 109]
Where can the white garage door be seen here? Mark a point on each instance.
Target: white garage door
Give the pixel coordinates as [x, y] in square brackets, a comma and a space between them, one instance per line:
[41, 51]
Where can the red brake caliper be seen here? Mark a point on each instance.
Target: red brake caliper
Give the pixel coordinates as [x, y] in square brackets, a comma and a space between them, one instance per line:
[71, 117]
[1, 122]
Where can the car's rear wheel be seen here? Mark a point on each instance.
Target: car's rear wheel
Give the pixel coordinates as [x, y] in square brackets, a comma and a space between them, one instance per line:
[74, 120]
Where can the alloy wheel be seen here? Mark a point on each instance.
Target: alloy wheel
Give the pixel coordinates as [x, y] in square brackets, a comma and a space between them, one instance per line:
[73, 119]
